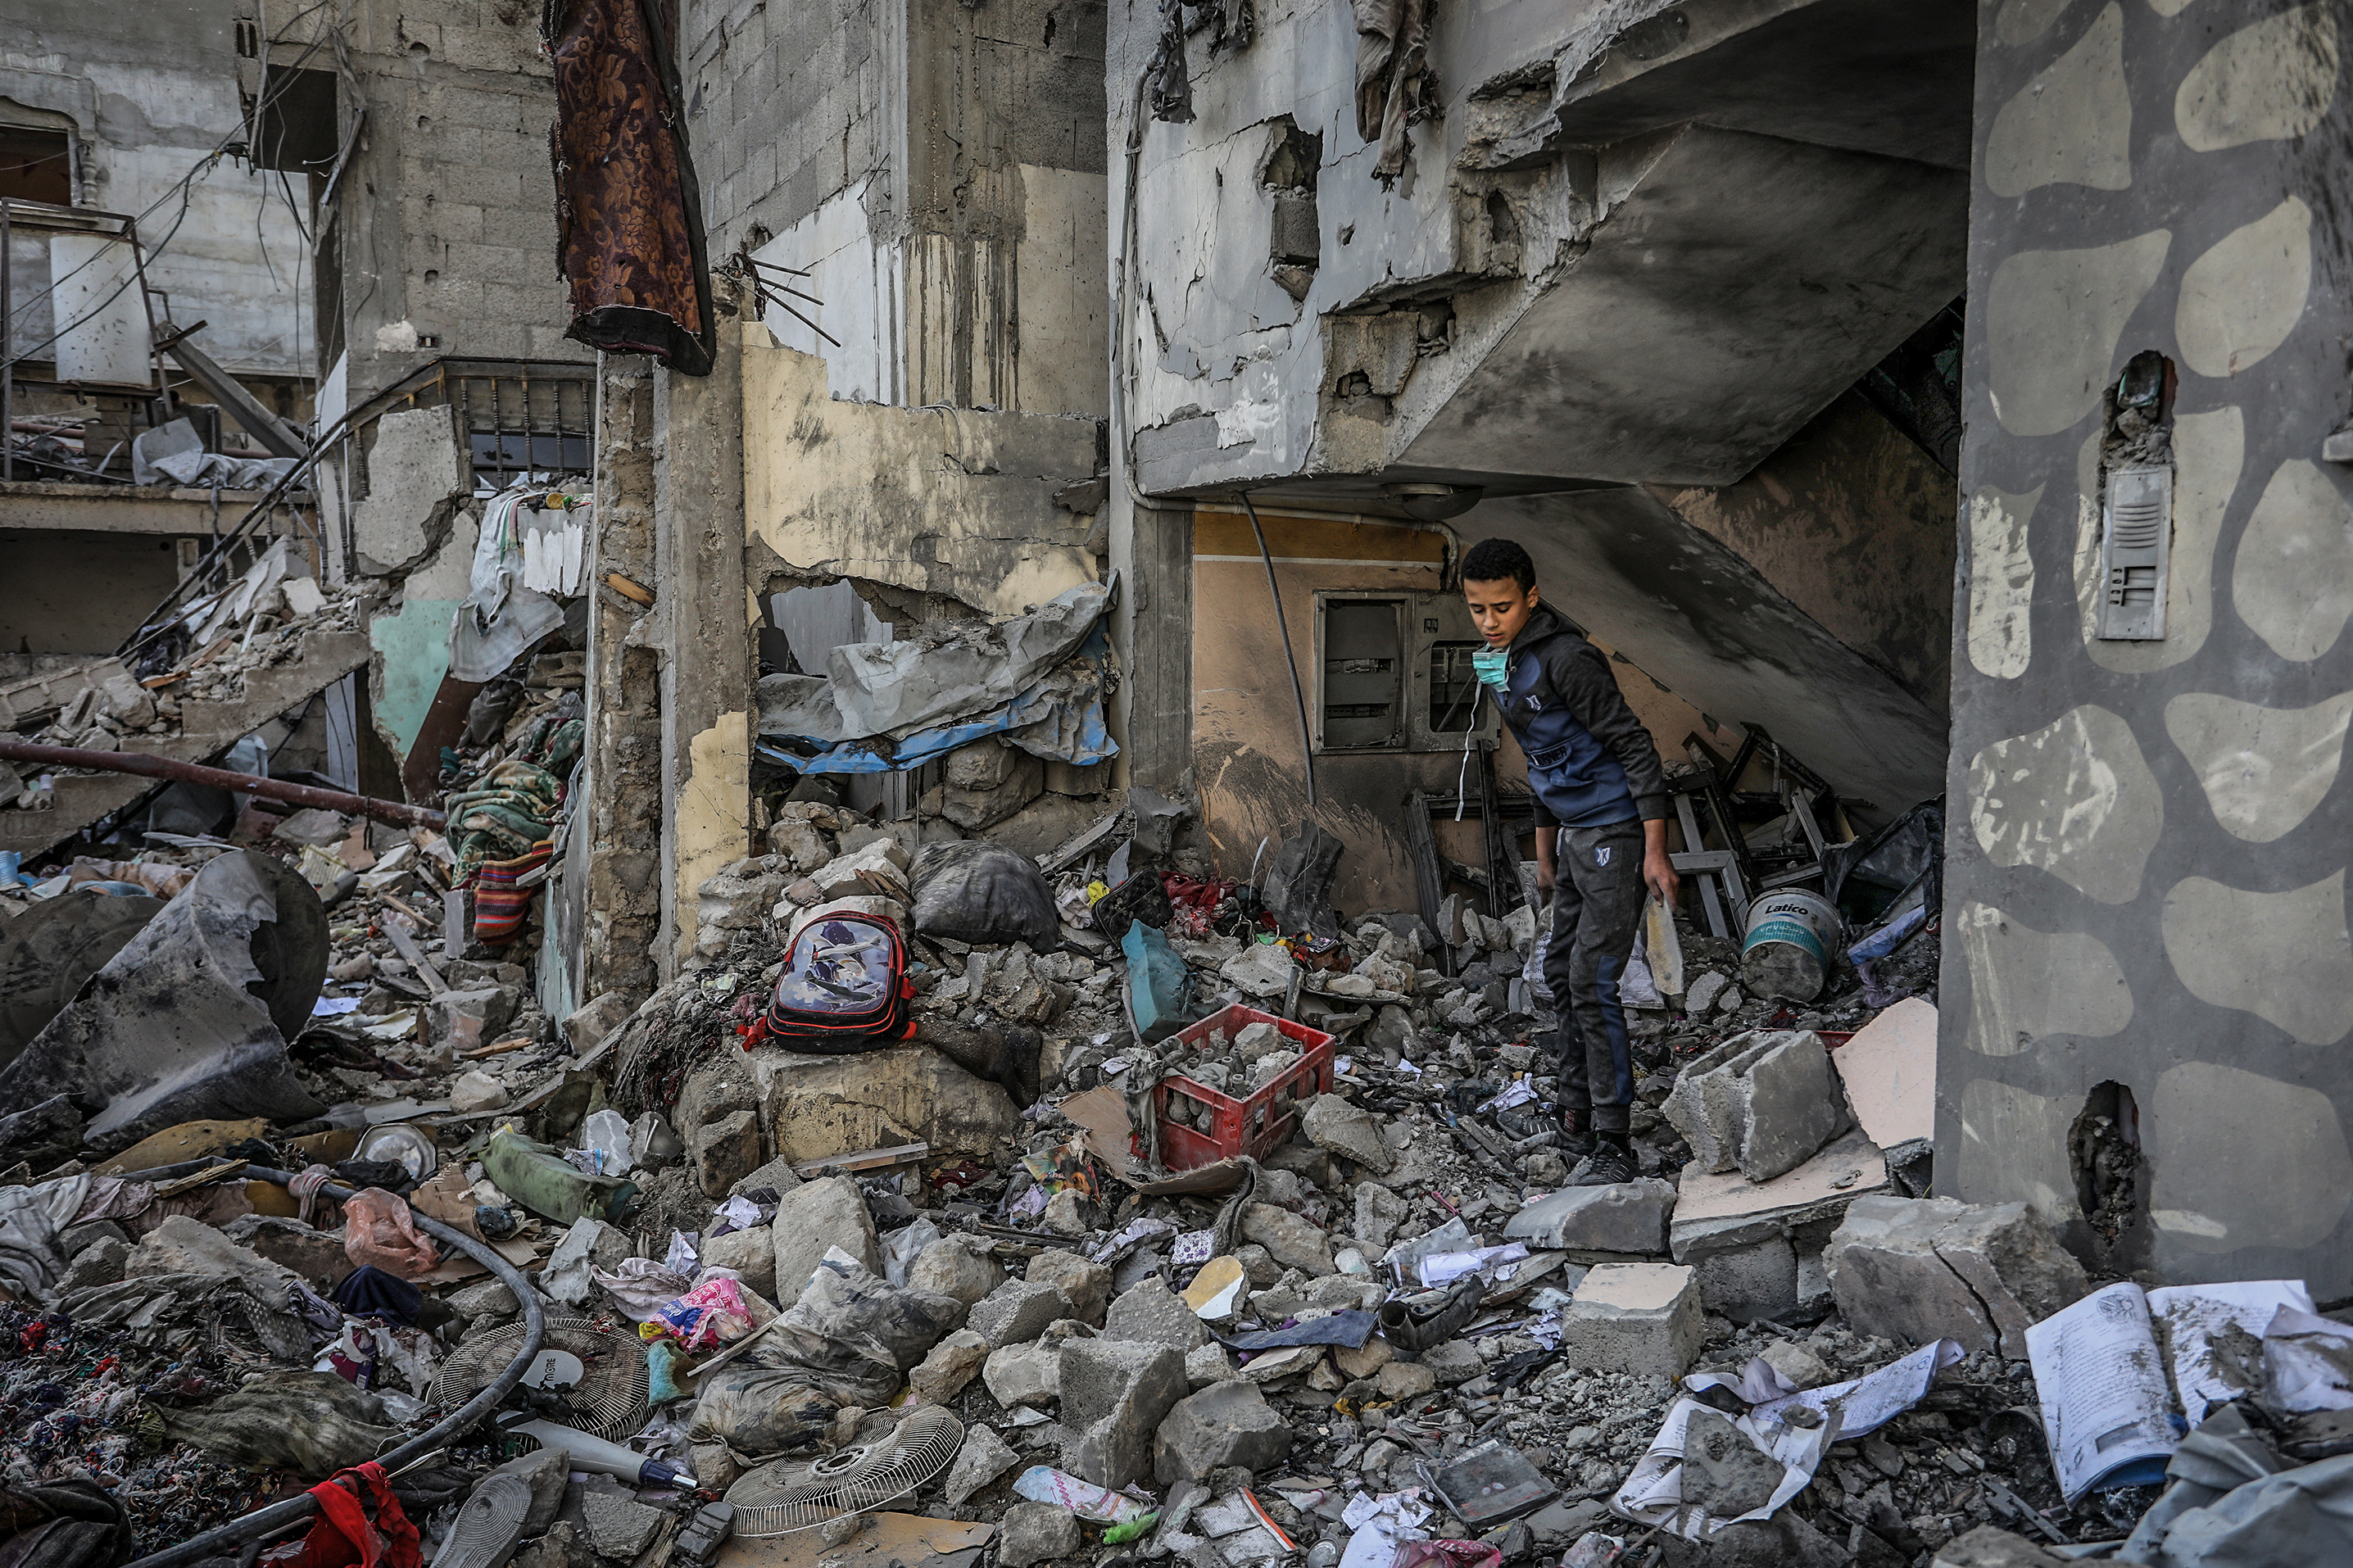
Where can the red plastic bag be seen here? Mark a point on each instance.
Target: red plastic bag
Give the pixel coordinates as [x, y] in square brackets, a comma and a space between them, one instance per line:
[379, 1230]
[345, 1537]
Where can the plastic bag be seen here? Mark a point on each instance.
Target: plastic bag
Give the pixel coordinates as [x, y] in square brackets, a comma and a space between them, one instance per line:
[380, 1233]
[1043, 1483]
[901, 1247]
[711, 1314]
[973, 890]
[605, 1148]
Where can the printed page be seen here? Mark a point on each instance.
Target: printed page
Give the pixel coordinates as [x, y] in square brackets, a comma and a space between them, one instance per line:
[2105, 1403]
[2213, 1337]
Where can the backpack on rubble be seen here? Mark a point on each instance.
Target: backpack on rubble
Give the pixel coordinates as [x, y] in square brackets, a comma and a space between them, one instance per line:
[845, 988]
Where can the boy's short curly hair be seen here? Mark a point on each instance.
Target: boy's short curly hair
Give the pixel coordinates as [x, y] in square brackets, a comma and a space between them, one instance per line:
[1492, 559]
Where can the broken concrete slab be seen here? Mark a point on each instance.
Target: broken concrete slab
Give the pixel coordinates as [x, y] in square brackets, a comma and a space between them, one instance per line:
[619, 1526]
[984, 1456]
[1725, 1472]
[1226, 1424]
[1635, 1316]
[953, 1362]
[1208, 1364]
[816, 1107]
[1917, 1269]
[428, 473]
[814, 1217]
[1345, 1128]
[1290, 1239]
[1624, 1218]
[1085, 1285]
[1717, 1211]
[1115, 1393]
[1028, 1373]
[190, 1019]
[1889, 1069]
[752, 1254]
[1453, 1362]
[956, 1266]
[1017, 1311]
[1151, 1313]
[724, 1151]
[1036, 1532]
[1765, 1103]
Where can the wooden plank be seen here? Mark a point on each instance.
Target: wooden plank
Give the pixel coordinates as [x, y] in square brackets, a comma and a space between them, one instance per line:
[1430, 881]
[405, 945]
[865, 1160]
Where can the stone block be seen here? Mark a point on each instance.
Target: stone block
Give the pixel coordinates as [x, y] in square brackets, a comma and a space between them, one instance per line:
[1916, 1269]
[1151, 1313]
[1794, 1361]
[812, 1218]
[463, 1019]
[588, 1023]
[486, 1298]
[1346, 1129]
[1405, 1380]
[1642, 1318]
[799, 842]
[878, 871]
[1227, 1423]
[1755, 1279]
[1034, 1532]
[953, 1362]
[1023, 1374]
[1628, 1216]
[958, 1267]
[1714, 1213]
[1764, 1102]
[751, 1253]
[820, 1106]
[1017, 1311]
[1115, 1393]
[1290, 1239]
[318, 1255]
[724, 1151]
[984, 1456]
[1453, 1362]
[976, 810]
[618, 1524]
[986, 764]
[421, 470]
[1206, 1364]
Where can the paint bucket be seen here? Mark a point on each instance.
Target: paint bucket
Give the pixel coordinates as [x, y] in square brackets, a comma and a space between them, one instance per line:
[1787, 953]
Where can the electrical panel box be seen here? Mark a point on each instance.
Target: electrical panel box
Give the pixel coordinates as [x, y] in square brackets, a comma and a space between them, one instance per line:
[1394, 673]
[2133, 547]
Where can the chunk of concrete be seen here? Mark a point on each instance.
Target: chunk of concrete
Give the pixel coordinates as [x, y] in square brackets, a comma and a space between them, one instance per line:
[428, 473]
[1724, 1472]
[1406, 1379]
[817, 1107]
[1641, 1318]
[1989, 1546]
[1764, 1102]
[1889, 1069]
[544, 1471]
[1747, 1282]
[1916, 1269]
[618, 1524]
[984, 1456]
[1028, 1373]
[1083, 1284]
[1034, 1532]
[1151, 1313]
[1115, 1393]
[1226, 1424]
[956, 1266]
[812, 1218]
[464, 1019]
[724, 1151]
[1347, 1128]
[1206, 1364]
[1627, 1217]
[1017, 1311]
[953, 1362]
[1453, 1362]
[751, 1253]
[1290, 1239]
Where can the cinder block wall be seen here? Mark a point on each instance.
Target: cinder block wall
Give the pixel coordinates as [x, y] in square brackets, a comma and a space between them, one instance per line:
[2146, 878]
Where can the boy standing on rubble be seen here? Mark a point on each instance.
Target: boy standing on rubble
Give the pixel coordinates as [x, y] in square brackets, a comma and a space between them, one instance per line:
[1600, 788]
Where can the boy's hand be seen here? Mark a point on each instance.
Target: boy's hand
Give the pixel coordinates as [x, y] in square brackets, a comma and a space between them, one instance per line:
[1657, 870]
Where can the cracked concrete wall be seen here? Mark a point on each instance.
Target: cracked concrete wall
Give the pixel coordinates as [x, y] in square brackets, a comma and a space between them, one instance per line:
[953, 501]
[2145, 875]
[621, 788]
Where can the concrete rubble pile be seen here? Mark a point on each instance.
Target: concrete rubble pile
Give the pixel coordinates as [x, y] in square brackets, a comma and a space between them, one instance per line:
[1206, 1238]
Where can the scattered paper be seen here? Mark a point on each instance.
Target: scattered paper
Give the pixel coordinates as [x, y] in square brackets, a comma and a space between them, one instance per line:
[2213, 1337]
[2105, 1405]
[334, 1007]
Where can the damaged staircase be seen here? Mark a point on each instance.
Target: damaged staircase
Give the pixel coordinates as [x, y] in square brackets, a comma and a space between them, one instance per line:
[208, 728]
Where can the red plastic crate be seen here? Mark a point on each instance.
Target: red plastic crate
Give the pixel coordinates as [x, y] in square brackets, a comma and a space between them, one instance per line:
[1254, 1126]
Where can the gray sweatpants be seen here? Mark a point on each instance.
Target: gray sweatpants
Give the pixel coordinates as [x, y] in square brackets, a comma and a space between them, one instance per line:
[1597, 903]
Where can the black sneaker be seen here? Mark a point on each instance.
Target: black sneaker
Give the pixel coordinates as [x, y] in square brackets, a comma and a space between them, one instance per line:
[1612, 1163]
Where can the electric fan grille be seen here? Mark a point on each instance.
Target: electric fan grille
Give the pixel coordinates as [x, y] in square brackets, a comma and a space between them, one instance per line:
[610, 1397]
[777, 1499]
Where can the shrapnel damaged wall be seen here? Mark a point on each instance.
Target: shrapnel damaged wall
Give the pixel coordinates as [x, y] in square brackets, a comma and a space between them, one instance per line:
[2147, 872]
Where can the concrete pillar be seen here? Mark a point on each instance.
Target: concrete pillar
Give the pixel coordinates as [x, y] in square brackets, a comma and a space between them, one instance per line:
[1152, 628]
[704, 612]
[622, 798]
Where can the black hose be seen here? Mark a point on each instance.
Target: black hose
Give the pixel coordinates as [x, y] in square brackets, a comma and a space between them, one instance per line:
[279, 1515]
[1298, 692]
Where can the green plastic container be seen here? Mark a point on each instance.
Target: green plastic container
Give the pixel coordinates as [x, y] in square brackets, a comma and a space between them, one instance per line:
[551, 1186]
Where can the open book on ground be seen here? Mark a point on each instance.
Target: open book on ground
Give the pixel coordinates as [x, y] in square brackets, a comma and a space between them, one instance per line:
[2124, 1373]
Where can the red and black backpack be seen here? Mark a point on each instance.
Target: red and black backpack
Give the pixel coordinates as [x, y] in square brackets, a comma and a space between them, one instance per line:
[845, 988]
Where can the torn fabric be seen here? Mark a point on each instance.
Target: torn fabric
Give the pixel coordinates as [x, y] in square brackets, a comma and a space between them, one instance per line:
[1394, 84]
[501, 618]
[629, 218]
